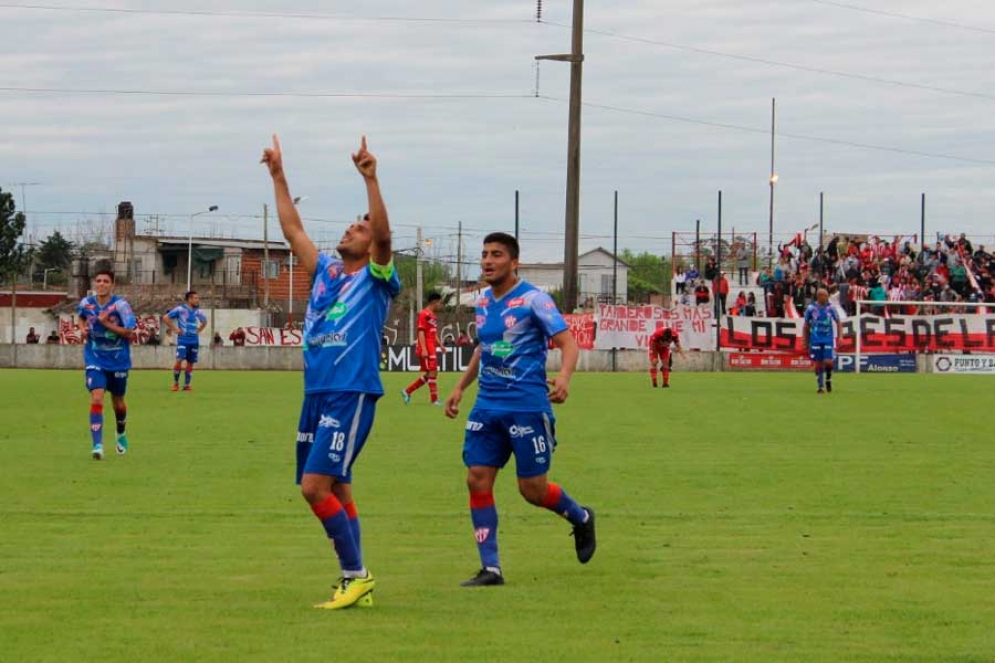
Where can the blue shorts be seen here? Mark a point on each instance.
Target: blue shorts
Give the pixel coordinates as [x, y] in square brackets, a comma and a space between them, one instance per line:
[493, 435]
[332, 431]
[821, 352]
[187, 352]
[115, 382]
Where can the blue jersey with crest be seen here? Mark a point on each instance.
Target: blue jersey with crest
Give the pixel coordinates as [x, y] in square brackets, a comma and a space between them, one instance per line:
[514, 334]
[821, 323]
[345, 316]
[105, 350]
[188, 321]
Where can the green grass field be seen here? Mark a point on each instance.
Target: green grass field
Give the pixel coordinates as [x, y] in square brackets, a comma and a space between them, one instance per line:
[741, 518]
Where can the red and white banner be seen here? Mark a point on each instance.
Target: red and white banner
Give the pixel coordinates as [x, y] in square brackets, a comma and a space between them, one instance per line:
[582, 325]
[630, 327]
[273, 336]
[898, 333]
[753, 361]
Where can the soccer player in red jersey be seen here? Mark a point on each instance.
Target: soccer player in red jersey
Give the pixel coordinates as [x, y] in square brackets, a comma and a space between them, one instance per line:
[659, 350]
[428, 343]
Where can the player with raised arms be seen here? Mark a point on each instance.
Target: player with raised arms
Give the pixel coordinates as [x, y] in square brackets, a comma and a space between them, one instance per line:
[345, 317]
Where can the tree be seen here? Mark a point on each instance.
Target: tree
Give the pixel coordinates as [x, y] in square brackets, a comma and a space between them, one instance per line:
[649, 274]
[13, 256]
[55, 252]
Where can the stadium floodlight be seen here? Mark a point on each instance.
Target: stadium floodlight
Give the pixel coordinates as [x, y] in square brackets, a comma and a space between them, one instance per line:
[212, 208]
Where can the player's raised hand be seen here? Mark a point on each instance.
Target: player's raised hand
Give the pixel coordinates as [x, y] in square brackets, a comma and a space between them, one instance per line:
[365, 162]
[273, 158]
[452, 403]
[560, 389]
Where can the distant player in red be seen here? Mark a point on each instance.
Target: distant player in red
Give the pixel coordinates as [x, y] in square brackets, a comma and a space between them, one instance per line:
[660, 343]
[428, 342]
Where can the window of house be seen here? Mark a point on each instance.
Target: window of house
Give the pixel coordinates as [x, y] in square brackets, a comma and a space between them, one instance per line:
[233, 267]
[272, 269]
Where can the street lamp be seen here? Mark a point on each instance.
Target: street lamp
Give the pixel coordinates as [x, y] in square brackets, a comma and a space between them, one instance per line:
[212, 208]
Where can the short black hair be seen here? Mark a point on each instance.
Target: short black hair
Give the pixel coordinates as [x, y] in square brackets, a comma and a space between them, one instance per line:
[188, 295]
[105, 270]
[434, 297]
[507, 240]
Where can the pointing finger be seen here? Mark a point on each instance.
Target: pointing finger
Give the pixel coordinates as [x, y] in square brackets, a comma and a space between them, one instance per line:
[276, 142]
[362, 144]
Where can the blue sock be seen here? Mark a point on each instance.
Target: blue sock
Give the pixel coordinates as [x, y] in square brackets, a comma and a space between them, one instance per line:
[336, 524]
[820, 376]
[189, 376]
[97, 423]
[353, 516]
[557, 500]
[484, 516]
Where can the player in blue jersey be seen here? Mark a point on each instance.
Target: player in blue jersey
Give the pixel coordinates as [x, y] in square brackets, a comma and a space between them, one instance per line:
[345, 317]
[513, 415]
[819, 333]
[105, 324]
[186, 321]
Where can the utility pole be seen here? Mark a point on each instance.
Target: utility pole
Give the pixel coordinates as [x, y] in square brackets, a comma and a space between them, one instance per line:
[516, 215]
[572, 231]
[264, 273]
[773, 181]
[459, 268]
[418, 272]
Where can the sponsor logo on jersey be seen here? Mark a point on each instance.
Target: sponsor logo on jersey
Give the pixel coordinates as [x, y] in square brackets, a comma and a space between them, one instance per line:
[328, 422]
[520, 431]
[517, 302]
[503, 372]
[482, 302]
[481, 534]
[502, 349]
[337, 311]
[334, 457]
[549, 305]
[474, 426]
[306, 438]
[329, 340]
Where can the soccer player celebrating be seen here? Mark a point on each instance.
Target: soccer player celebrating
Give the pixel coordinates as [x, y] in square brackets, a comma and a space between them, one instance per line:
[659, 350]
[819, 333]
[186, 321]
[512, 415]
[428, 342]
[342, 328]
[105, 325]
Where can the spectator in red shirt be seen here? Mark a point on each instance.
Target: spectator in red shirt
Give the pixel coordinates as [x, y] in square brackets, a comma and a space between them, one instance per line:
[237, 338]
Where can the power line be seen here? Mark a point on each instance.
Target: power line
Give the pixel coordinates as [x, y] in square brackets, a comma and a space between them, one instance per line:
[757, 130]
[309, 95]
[786, 65]
[260, 14]
[907, 17]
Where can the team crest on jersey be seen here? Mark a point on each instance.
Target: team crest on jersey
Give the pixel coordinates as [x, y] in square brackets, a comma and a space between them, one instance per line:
[481, 533]
[480, 321]
[334, 269]
[510, 321]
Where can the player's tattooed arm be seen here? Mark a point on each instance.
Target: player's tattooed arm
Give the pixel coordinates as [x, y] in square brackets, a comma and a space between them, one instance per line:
[452, 403]
[366, 164]
[290, 220]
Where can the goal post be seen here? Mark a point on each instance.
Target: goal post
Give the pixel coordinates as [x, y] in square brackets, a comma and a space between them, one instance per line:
[869, 305]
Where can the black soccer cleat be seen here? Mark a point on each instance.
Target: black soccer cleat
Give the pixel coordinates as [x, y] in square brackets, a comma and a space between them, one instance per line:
[584, 538]
[829, 386]
[484, 578]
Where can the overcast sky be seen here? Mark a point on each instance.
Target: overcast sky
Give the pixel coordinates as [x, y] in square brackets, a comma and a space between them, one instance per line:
[446, 160]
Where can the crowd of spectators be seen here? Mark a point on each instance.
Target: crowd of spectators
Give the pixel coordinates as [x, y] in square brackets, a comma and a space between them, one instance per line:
[870, 268]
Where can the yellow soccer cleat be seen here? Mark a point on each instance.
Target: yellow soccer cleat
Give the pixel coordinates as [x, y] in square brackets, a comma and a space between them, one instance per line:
[350, 592]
